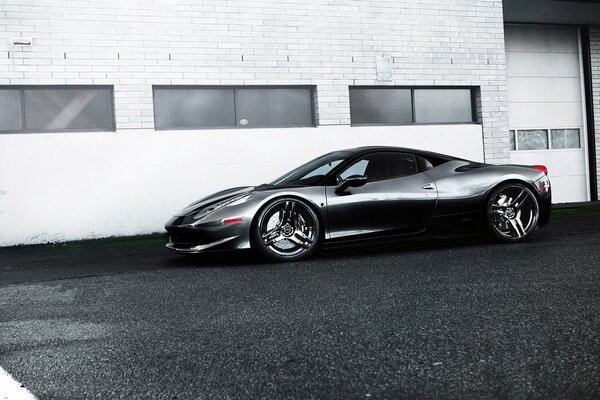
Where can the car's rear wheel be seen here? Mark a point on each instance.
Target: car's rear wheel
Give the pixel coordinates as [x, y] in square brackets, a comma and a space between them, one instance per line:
[287, 229]
[512, 212]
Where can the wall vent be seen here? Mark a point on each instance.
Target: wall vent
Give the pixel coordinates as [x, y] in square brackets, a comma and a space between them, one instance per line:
[18, 41]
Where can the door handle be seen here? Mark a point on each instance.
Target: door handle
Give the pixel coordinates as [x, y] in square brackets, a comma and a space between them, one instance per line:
[429, 186]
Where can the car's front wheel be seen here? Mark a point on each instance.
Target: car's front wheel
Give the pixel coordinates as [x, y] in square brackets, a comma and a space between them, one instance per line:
[512, 212]
[286, 229]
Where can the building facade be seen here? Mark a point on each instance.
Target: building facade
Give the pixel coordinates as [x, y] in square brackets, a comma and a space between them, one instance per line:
[114, 114]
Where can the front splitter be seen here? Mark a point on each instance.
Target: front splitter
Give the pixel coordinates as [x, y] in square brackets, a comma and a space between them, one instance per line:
[200, 248]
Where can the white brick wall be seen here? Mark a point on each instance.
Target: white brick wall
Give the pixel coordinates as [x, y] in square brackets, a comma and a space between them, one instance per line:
[133, 44]
[595, 63]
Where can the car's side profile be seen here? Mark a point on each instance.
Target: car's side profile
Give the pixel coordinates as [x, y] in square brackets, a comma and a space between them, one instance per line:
[366, 194]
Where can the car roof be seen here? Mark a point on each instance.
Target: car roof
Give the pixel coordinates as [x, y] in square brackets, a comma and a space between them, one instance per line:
[372, 149]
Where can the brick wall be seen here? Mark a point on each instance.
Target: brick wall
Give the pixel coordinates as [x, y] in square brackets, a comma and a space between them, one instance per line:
[133, 44]
[595, 61]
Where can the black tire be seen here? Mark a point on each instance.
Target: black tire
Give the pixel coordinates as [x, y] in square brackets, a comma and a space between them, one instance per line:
[286, 229]
[512, 212]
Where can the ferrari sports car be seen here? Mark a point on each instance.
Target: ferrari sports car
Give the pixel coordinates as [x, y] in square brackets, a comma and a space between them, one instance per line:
[367, 194]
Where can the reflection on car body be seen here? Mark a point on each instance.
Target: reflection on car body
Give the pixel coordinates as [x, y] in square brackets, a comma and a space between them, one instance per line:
[366, 194]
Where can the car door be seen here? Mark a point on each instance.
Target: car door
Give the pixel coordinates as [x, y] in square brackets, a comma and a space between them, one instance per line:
[397, 198]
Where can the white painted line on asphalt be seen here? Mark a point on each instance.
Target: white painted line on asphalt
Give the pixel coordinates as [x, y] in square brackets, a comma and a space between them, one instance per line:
[10, 389]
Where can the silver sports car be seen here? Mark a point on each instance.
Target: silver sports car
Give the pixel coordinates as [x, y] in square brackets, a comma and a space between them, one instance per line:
[366, 194]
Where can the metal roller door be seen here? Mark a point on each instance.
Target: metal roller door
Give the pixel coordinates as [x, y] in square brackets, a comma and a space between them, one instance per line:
[545, 105]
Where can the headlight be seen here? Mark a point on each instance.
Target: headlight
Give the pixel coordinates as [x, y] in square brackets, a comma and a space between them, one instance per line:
[232, 201]
[543, 184]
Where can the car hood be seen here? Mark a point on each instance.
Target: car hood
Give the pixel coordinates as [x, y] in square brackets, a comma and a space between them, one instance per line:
[214, 198]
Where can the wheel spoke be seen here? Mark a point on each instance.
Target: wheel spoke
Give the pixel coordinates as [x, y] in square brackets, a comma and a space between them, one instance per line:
[284, 212]
[287, 212]
[501, 200]
[271, 234]
[506, 225]
[498, 210]
[280, 222]
[519, 222]
[303, 236]
[515, 227]
[520, 200]
[274, 240]
[299, 241]
[293, 217]
[298, 222]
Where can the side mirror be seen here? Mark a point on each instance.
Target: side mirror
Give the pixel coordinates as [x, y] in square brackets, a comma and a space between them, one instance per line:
[351, 181]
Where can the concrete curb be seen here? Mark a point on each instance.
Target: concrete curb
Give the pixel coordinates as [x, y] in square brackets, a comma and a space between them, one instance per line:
[581, 204]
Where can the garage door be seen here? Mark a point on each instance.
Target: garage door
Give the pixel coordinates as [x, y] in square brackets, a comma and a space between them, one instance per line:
[545, 105]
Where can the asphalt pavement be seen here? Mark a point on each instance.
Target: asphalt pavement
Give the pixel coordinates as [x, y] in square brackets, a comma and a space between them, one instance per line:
[444, 319]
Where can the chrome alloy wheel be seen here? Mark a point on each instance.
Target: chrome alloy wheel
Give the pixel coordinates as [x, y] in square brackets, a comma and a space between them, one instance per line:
[287, 229]
[513, 212]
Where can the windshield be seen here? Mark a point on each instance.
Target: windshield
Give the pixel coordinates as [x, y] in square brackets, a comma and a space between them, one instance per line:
[313, 171]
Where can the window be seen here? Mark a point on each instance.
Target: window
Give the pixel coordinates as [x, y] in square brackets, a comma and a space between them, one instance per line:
[565, 138]
[233, 107]
[56, 108]
[443, 105]
[358, 168]
[425, 164]
[11, 114]
[266, 107]
[401, 105]
[381, 166]
[313, 171]
[532, 139]
[543, 139]
[191, 108]
[322, 170]
[371, 106]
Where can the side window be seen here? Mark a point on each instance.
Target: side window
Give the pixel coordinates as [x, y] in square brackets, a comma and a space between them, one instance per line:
[424, 164]
[358, 168]
[381, 166]
[322, 170]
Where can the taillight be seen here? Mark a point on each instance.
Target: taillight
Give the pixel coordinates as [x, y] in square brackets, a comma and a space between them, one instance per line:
[541, 168]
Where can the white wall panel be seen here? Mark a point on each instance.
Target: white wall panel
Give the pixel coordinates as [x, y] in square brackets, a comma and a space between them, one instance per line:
[550, 65]
[565, 162]
[68, 186]
[545, 115]
[541, 39]
[568, 189]
[544, 90]
[565, 170]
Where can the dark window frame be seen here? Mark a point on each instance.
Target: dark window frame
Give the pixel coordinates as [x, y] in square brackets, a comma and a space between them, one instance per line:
[24, 130]
[235, 88]
[473, 94]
